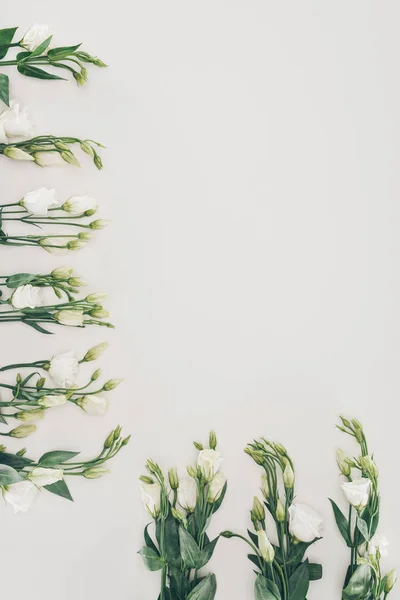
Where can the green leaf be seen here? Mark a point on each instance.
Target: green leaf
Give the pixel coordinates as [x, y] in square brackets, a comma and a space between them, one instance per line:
[41, 48]
[205, 590]
[341, 522]
[298, 551]
[299, 582]
[36, 326]
[255, 560]
[62, 52]
[360, 584]
[56, 457]
[6, 38]
[363, 528]
[151, 558]
[207, 552]
[149, 542]
[315, 571]
[31, 71]
[4, 89]
[12, 460]
[264, 589]
[190, 551]
[220, 500]
[171, 541]
[19, 279]
[8, 475]
[59, 488]
[179, 585]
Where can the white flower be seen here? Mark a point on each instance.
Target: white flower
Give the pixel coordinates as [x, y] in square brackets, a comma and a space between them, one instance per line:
[49, 159]
[15, 122]
[39, 201]
[26, 296]
[187, 493]
[35, 36]
[52, 400]
[305, 524]
[42, 476]
[265, 547]
[77, 205]
[17, 154]
[209, 462]
[357, 492]
[64, 369]
[379, 543]
[215, 488]
[151, 498]
[70, 317]
[93, 405]
[20, 495]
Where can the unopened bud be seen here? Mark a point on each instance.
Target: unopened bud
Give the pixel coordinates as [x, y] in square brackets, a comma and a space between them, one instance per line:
[258, 510]
[98, 162]
[21, 452]
[30, 415]
[198, 446]
[86, 147]
[109, 440]
[180, 517]
[95, 473]
[390, 581]
[125, 441]
[343, 463]
[191, 471]
[96, 375]
[264, 486]
[40, 383]
[288, 476]
[22, 431]
[146, 479]
[212, 440]
[112, 384]
[61, 273]
[280, 512]
[95, 352]
[173, 479]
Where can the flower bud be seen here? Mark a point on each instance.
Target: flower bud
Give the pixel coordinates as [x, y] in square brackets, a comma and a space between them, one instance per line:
[125, 441]
[173, 479]
[258, 510]
[112, 384]
[2, 448]
[76, 282]
[85, 235]
[40, 383]
[98, 162]
[30, 415]
[280, 449]
[17, 154]
[52, 400]
[264, 486]
[288, 476]
[78, 78]
[98, 224]
[390, 581]
[94, 298]
[76, 244]
[343, 463]
[21, 452]
[86, 147]
[109, 440]
[98, 313]
[22, 431]
[368, 465]
[280, 512]
[61, 273]
[191, 471]
[70, 158]
[179, 516]
[146, 479]
[212, 440]
[117, 432]
[255, 455]
[95, 375]
[95, 473]
[227, 534]
[95, 352]
[265, 547]
[198, 446]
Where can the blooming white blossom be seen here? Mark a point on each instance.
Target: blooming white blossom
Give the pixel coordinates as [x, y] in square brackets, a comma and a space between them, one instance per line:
[93, 405]
[20, 495]
[357, 492]
[15, 122]
[64, 369]
[151, 498]
[42, 476]
[39, 201]
[187, 493]
[209, 462]
[216, 486]
[35, 36]
[26, 296]
[379, 543]
[305, 524]
[77, 205]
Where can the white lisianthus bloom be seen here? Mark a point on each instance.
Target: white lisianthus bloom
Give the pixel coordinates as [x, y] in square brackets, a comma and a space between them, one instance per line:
[187, 493]
[215, 488]
[77, 205]
[93, 405]
[151, 493]
[39, 201]
[70, 317]
[26, 296]
[64, 369]
[42, 476]
[17, 154]
[49, 159]
[265, 547]
[16, 122]
[357, 492]
[20, 495]
[379, 543]
[209, 462]
[35, 36]
[305, 524]
[52, 400]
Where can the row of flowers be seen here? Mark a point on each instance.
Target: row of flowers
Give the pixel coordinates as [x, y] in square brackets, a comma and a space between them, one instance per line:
[283, 528]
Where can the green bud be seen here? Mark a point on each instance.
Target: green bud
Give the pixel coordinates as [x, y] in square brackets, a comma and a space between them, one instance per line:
[95, 473]
[61, 273]
[288, 476]
[146, 479]
[30, 415]
[86, 147]
[280, 512]
[21, 452]
[280, 449]
[95, 375]
[70, 158]
[17, 154]
[258, 510]
[76, 282]
[98, 224]
[76, 244]
[198, 446]
[343, 463]
[125, 441]
[98, 162]
[173, 479]
[109, 440]
[22, 431]
[345, 422]
[2, 448]
[19, 378]
[179, 516]
[98, 313]
[264, 486]
[191, 471]
[117, 432]
[78, 78]
[40, 383]
[256, 456]
[95, 352]
[61, 146]
[390, 581]
[227, 534]
[94, 298]
[212, 440]
[112, 384]
[85, 235]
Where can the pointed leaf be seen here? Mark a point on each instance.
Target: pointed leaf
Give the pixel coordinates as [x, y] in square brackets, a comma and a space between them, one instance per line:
[62, 52]
[4, 90]
[8, 475]
[299, 582]
[151, 558]
[315, 571]
[265, 589]
[207, 552]
[35, 325]
[341, 522]
[12, 460]
[19, 279]
[56, 457]
[149, 541]
[205, 590]
[6, 38]
[59, 488]
[31, 71]
[360, 584]
[190, 551]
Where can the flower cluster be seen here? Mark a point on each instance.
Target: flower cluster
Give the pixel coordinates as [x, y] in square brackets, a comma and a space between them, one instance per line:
[182, 513]
[36, 51]
[22, 477]
[281, 571]
[31, 395]
[42, 208]
[364, 577]
[36, 300]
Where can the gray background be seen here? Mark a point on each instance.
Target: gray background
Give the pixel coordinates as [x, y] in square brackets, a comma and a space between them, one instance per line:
[252, 179]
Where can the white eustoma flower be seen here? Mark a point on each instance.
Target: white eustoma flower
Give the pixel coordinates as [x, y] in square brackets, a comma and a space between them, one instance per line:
[265, 547]
[93, 405]
[357, 492]
[35, 36]
[209, 462]
[49, 159]
[70, 317]
[77, 205]
[64, 369]
[52, 400]
[39, 201]
[305, 524]
[187, 493]
[216, 486]
[379, 543]
[20, 495]
[151, 493]
[42, 476]
[26, 296]
[15, 122]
